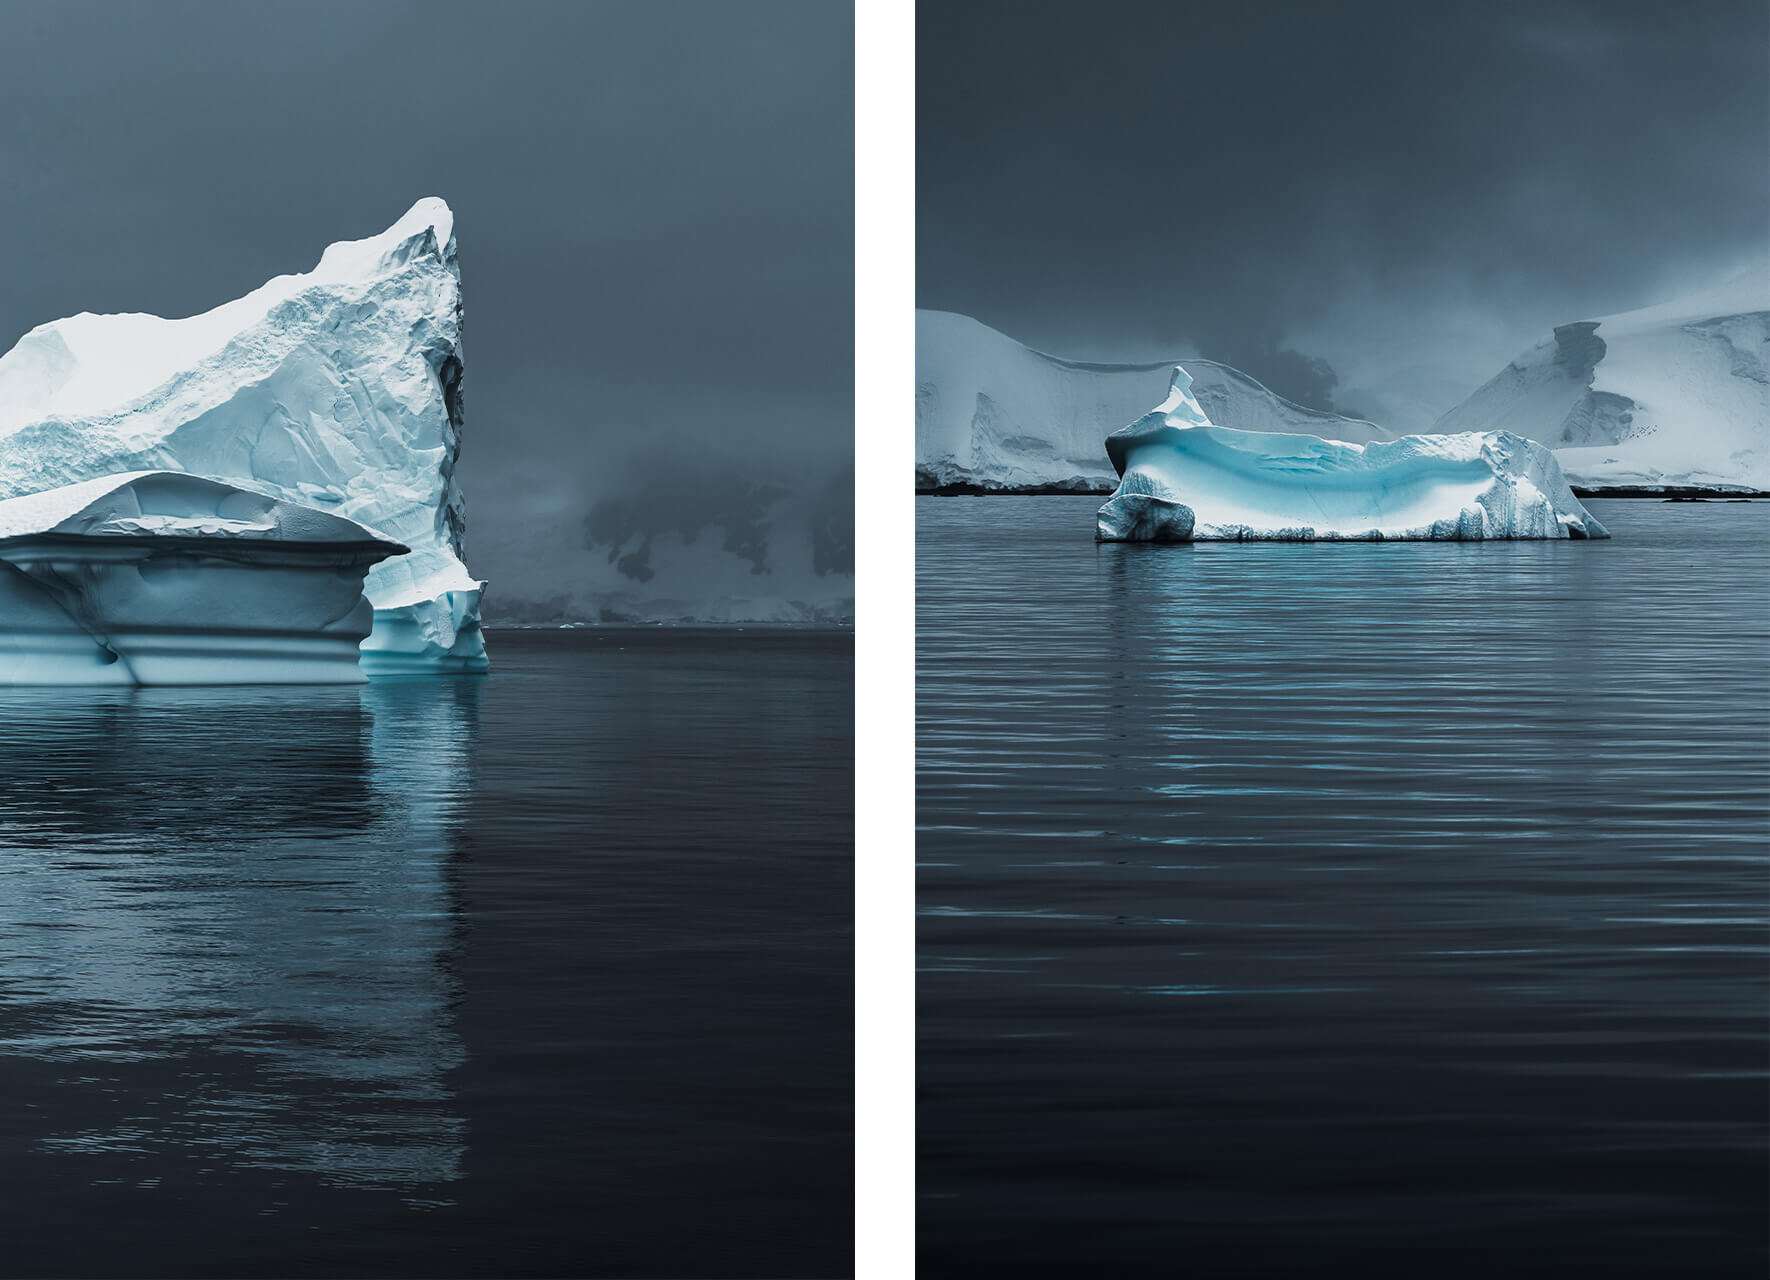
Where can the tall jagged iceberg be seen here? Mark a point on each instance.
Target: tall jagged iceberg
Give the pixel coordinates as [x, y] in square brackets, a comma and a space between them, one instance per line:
[1182, 478]
[159, 577]
[338, 389]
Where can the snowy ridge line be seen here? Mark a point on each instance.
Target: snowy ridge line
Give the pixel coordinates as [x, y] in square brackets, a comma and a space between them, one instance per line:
[1266, 391]
[1163, 367]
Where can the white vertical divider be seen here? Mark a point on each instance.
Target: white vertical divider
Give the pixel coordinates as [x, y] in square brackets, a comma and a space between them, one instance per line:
[884, 386]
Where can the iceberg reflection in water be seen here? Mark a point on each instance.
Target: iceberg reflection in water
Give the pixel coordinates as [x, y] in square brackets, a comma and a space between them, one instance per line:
[1342, 909]
[545, 974]
[226, 928]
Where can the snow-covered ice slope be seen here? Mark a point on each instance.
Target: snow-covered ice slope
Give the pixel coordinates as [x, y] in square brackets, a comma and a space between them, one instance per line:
[1184, 479]
[159, 577]
[1673, 395]
[994, 414]
[339, 389]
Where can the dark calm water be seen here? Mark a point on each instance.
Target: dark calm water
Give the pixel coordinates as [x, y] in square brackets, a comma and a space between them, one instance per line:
[542, 974]
[1367, 910]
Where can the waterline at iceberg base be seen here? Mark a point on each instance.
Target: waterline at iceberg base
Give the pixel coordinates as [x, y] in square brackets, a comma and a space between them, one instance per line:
[1184, 479]
[161, 578]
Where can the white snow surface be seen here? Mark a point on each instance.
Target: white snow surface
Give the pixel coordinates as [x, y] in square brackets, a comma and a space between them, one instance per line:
[1671, 395]
[1184, 479]
[174, 503]
[993, 413]
[337, 389]
[160, 577]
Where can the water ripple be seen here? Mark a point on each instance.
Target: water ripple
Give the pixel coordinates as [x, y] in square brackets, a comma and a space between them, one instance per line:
[1470, 931]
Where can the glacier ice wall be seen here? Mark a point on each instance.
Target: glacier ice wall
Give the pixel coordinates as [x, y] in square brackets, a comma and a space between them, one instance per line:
[158, 578]
[338, 389]
[1184, 479]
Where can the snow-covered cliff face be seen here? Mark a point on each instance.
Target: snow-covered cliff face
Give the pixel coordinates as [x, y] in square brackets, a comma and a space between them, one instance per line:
[1677, 394]
[339, 388]
[995, 414]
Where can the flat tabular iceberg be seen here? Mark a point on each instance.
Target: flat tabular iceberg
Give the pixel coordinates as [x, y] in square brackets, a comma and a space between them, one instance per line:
[338, 389]
[1184, 479]
[157, 577]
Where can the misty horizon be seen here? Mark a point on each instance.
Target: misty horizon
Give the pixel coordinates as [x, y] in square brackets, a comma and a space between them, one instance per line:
[654, 214]
[1372, 207]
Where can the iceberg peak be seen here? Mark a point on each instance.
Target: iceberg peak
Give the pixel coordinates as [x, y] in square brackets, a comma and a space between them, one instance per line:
[1181, 405]
[427, 227]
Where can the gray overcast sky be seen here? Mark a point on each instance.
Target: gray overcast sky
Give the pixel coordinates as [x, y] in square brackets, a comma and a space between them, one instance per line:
[1412, 191]
[653, 200]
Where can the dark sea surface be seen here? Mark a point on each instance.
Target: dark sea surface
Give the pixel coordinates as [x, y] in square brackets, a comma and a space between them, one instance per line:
[1343, 909]
[546, 973]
